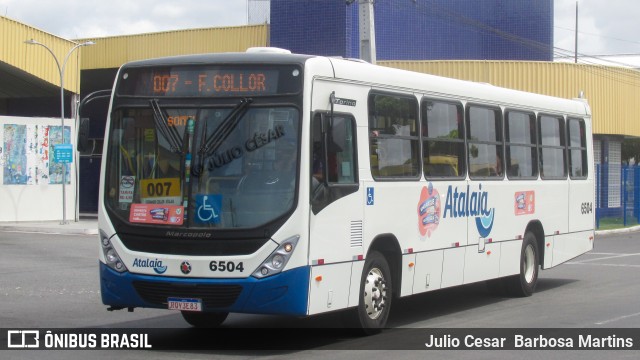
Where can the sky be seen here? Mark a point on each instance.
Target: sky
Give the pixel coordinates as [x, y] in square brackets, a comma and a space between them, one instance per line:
[605, 27]
[74, 19]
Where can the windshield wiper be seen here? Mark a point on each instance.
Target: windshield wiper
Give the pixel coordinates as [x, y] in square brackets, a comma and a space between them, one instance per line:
[211, 144]
[169, 132]
[225, 128]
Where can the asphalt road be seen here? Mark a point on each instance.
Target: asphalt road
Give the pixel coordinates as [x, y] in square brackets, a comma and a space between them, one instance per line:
[51, 281]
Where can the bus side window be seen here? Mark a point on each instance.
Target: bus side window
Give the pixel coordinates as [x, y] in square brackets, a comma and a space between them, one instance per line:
[318, 156]
[443, 139]
[394, 137]
[578, 165]
[551, 142]
[334, 167]
[484, 139]
[341, 151]
[521, 143]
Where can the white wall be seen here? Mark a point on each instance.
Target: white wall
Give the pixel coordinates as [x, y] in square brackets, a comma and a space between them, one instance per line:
[30, 195]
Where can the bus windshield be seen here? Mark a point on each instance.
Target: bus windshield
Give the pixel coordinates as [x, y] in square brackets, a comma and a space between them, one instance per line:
[202, 167]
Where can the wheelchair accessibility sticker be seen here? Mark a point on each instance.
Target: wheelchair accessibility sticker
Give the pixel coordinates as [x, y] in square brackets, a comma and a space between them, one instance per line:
[208, 209]
[370, 196]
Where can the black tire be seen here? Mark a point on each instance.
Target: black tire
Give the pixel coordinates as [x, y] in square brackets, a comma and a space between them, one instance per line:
[204, 319]
[375, 296]
[524, 284]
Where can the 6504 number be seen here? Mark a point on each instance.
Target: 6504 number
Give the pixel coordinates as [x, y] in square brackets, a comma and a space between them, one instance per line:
[228, 266]
[586, 208]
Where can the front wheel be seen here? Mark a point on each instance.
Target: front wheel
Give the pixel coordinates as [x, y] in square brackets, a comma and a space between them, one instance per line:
[204, 319]
[524, 283]
[375, 294]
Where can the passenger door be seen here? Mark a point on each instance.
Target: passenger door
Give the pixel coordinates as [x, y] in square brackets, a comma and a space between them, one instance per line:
[336, 210]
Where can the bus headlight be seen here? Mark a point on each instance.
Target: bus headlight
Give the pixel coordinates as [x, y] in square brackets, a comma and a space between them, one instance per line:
[111, 256]
[278, 259]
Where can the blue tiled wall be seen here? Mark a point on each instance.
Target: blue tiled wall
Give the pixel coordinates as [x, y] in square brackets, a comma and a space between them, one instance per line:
[310, 26]
[420, 29]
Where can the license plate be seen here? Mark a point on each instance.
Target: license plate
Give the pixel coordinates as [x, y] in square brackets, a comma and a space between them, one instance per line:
[184, 304]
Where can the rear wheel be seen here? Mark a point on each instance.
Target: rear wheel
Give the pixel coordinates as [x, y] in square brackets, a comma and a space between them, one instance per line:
[524, 283]
[204, 319]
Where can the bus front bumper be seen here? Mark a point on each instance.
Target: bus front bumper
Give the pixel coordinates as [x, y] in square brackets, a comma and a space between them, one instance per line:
[285, 293]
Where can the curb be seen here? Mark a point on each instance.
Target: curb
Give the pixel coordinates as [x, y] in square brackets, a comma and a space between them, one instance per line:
[49, 230]
[618, 231]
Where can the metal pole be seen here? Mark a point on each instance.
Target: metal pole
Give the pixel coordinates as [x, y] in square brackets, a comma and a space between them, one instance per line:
[624, 194]
[636, 192]
[64, 166]
[597, 212]
[61, 71]
[576, 47]
[367, 31]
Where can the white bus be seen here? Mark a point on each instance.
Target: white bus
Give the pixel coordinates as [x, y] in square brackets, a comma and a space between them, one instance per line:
[276, 183]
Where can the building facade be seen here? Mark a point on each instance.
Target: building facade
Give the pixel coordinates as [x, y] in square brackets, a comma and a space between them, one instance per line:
[419, 29]
[472, 39]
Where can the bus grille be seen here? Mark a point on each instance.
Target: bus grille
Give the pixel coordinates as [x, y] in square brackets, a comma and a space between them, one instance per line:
[213, 296]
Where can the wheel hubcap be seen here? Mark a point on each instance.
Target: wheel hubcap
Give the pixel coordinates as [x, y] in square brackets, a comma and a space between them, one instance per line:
[375, 293]
[529, 264]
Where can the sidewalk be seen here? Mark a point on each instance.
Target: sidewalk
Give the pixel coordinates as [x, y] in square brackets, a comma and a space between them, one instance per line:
[82, 227]
[89, 226]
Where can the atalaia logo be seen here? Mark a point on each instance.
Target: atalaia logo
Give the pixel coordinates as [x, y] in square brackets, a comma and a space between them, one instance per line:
[155, 264]
[470, 203]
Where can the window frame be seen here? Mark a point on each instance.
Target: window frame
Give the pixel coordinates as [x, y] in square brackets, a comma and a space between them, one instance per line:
[417, 138]
[462, 175]
[500, 133]
[508, 144]
[582, 148]
[563, 146]
[331, 191]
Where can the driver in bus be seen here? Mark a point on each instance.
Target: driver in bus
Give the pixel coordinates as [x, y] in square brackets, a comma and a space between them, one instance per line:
[164, 164]
[284, 165]
[168, 164]
[282, 172]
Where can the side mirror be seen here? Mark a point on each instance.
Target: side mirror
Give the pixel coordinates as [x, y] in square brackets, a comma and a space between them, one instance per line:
[83, 135]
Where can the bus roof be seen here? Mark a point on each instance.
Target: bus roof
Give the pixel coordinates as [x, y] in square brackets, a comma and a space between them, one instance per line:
[448, 88]
[221, 58]
[389, 79]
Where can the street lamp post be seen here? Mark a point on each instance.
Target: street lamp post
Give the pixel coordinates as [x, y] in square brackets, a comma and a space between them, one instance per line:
[61, 71]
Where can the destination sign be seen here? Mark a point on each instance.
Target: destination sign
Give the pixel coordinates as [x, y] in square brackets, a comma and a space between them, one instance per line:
[199, 81]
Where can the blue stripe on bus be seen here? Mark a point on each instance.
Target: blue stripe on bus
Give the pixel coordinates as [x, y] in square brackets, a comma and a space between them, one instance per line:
[285, 293]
